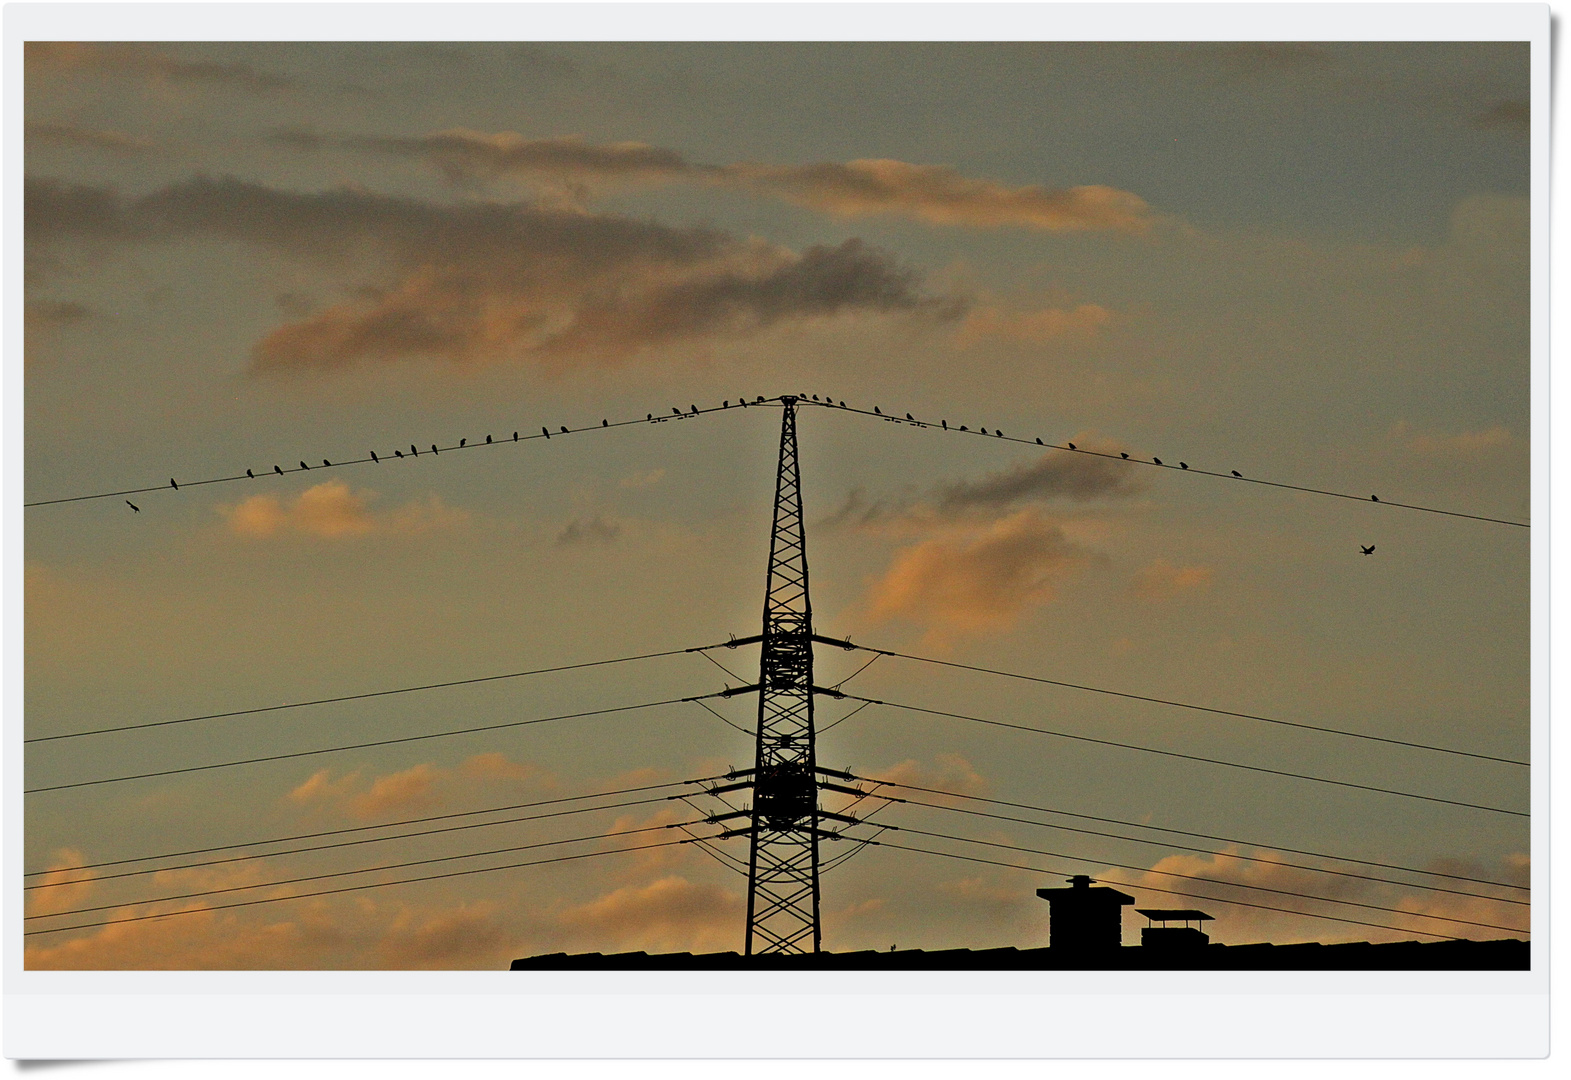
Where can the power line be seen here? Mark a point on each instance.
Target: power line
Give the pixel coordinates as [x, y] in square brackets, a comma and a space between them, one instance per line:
[1214, 881]
[345, 843]
[1187, 705]
[1192, 757]
[365, 745]
[383, 825]
[354, 888]
[1166, 892]
[374, 693]
[1182, 468]
[1208, 851]
[365, 870]
[1198, 835]
[398, 454]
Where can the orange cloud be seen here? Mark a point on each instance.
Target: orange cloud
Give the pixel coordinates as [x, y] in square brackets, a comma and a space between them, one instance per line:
[64, 885]
[976, 581]
[398, 794]
[940, 195]
[668, 915]
[1161, 580]
[1033, 327]
[947, 772]
[331, 511]
[416, 789]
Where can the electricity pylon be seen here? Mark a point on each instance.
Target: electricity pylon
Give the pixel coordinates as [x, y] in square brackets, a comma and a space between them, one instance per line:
[783, 821]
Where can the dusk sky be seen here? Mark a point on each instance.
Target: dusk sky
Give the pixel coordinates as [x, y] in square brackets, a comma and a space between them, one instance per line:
[1305, 262]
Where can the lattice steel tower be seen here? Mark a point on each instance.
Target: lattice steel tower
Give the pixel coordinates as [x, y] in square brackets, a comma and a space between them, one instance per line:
[783, 822]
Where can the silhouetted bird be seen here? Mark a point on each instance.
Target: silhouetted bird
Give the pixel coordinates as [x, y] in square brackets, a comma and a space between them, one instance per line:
[1071, 445]
[1123, 455]
[1183, 464]
[910, 417]
[303, 465]
[251, 474]
[329, 464]
[760, 399]
[964, 428]
[605, 423]
[694, 408]
[173, 484]
[564, 431]
[461, 443]
[1370, 550]
[982, 430]
[488, 439]
[875, 409]
[944, 424]
[133, 506]
[400, 453]
[649, 416]
[1039, 442]
[434, 450]
[1157, 460]
[375, 458]
[546, 432]
[515, 436]
[413, 451]
[1238, 474]
[277, 470]
[676, 411]
[842, 404]
[726, 404]
[1374, 498]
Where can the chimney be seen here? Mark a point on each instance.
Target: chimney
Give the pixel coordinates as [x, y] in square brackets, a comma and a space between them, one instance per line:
[1085, 919]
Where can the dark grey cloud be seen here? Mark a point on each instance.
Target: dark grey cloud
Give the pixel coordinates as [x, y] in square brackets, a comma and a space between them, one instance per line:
[1508, 115]
[1055, 475]
[145, 61]
[112, 142]
[53, 314]
[480, 281]
[591, 530]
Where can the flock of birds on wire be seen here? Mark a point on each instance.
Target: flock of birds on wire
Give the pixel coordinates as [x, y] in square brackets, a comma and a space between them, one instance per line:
[694, 410]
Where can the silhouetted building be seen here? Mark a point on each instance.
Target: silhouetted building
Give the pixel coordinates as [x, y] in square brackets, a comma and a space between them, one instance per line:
[1085, 919]
[1173, 937]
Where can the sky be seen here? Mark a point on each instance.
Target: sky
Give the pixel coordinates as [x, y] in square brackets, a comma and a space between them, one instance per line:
[1306, 262]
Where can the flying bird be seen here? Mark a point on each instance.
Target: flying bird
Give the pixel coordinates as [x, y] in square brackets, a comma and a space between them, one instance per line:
[277, 470]
[375, 458]
[1071, 445]
[1157, 460]
[1370, 550]
[1183, 464]
[1238, 474]
[251, 474]
[173, 484]
[133, 506]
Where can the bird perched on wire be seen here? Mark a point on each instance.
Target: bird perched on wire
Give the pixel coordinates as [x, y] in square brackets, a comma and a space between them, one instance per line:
[251, 474]
[173, 484]
[694, 408]
[1070, 445]
[375, 458]
[398, 453]
[1238, 474]
[564, 431]
[1156, 460]
[875, 409]
[515, 436]
[546, 432]
[1372, 498]
[414, 451]
[278, 470]
[329, 464]
[1123, 455]
[676, 411]
[434, 450]
[910, 417]
[461, 443]
[303, 465]
[133, 506]
[1370, 550]
[488, 438]
[1183, 464]
[605, 423]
